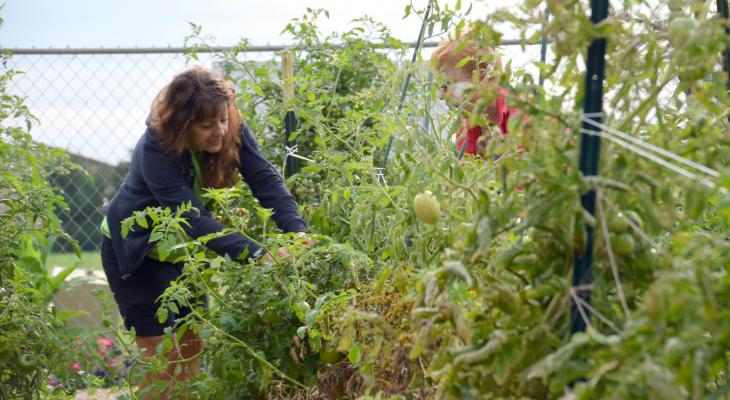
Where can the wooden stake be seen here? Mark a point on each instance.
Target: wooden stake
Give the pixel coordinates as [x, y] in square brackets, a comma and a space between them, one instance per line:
[287, 67]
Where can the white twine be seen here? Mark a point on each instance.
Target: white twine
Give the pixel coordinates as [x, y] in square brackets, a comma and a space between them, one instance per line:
[650, 146]
[380, 175]
[292, 152]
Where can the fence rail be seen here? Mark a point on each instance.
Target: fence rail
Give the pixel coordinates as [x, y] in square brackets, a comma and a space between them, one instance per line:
[181, 50]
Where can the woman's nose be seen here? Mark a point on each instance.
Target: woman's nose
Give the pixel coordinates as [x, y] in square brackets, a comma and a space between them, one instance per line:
[220, 130]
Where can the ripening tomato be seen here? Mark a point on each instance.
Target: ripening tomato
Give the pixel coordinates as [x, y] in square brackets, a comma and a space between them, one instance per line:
[427, 208]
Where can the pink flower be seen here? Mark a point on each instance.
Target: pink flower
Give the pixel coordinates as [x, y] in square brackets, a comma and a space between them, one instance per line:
[105, 343]
[78, 340]
[101, 353]
[74, 347]
[75, 365]
[113, 363]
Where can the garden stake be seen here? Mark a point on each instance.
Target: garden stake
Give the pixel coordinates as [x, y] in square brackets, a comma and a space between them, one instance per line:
[290, 119]
[590, 151]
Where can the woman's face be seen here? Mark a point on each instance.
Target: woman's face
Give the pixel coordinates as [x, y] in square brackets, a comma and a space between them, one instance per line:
[459, 91]
[464, 95]
[207, 135]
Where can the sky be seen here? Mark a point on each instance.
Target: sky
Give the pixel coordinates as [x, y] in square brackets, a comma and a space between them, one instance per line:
[95, 23]
[96, 105]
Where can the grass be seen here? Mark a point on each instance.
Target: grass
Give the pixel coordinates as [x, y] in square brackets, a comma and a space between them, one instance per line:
[88, 260]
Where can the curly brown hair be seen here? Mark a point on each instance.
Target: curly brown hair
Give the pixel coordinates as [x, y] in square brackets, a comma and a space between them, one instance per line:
[194, 95]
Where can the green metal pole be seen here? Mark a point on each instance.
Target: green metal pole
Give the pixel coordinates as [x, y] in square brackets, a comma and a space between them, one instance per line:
[590, 151]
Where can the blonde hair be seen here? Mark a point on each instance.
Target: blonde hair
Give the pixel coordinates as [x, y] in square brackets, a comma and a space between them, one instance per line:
[449, 53]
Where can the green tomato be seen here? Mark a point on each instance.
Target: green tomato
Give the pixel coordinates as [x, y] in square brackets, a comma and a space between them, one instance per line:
[328, 355]
[635, 218]
[25, 364]
[427, 208]
[646, 262]
[619, 223]
[623, 244]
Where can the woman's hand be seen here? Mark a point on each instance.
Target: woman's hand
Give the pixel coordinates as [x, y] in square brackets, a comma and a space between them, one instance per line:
[305, 238]
[266, 259]
[283, 252]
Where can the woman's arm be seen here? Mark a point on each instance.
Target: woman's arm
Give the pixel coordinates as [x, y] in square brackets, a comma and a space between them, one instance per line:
[164, 177]
[267, 185]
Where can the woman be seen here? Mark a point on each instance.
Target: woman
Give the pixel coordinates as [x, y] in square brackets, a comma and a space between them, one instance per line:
[467, 82]
[195, 139]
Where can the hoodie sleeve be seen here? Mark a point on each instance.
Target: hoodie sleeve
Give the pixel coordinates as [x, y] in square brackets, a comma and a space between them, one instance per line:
[165, 178]
[267, 185]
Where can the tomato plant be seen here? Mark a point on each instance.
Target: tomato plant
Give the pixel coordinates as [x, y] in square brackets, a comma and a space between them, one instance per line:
[31, 334]
[467, 292]
[476, 303]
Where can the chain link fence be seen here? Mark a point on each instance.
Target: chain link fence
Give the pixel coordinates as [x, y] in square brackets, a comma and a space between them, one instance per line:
[94, 102]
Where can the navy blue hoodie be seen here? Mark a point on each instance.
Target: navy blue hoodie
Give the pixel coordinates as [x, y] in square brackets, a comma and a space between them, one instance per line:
[158, 179]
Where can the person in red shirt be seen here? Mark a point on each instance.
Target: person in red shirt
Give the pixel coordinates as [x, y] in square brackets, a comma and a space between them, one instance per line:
[469, 82]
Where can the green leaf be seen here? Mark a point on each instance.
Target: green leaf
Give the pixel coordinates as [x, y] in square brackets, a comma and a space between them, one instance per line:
[141, 219]
[302, 331]
[543, 368]
[162, 314]
[57, 281]
[354, 354]
[463, 61]
[504, 362]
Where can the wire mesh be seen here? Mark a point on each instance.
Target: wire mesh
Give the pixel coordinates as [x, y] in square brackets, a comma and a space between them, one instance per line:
[94, 106]
[94, 103]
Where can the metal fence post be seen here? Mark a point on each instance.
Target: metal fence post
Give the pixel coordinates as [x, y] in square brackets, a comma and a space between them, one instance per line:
[590, 151]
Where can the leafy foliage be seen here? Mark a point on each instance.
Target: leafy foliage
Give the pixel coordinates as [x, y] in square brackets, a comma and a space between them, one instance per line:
[477, 304]
[489, 312]
[31, 338]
